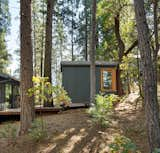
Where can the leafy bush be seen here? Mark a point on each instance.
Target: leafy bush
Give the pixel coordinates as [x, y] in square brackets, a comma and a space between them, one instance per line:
[60, 96]
[130, 73]
[157, 150]
[122, 144]
[102, 108]
[9, 131]
[38, 130]
[45, 92]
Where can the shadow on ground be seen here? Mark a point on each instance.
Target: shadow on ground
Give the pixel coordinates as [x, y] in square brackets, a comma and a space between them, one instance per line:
[73, 131]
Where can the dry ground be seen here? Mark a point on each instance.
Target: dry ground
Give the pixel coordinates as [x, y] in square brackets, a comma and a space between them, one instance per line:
[73, 131]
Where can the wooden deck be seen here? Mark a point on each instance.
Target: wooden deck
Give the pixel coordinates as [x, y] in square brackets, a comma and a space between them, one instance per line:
[16, 111]
[38, 110]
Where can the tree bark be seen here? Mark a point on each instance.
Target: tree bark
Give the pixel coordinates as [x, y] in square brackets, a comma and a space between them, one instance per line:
[135, 43]
[156, 47]
[118, 37]
[72, 32]
[150, 94]
[121, 47]
[48, 46]
[34, 40]
[48, 42]
[92, 55]
[42, 51]
[86, 32]
[27, 109]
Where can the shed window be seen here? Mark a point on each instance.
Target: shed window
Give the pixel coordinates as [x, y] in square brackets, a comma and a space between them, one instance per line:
[108, 79]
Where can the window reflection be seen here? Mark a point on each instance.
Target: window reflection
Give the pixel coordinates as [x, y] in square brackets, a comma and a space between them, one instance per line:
[107, 80]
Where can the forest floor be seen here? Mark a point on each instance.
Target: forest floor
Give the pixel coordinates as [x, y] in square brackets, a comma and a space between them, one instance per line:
[73, 131]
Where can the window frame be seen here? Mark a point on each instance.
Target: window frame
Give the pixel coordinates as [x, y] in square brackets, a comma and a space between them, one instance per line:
[114, 80]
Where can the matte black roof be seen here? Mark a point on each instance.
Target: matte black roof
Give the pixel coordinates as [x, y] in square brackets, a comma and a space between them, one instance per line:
[8, 78]
[87, 63]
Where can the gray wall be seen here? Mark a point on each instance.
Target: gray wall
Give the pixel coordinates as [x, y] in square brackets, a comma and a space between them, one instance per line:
[76, 81]
[2, 93]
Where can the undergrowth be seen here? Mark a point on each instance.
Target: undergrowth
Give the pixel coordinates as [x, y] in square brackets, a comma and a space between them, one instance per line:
[38, 130]
[102, 109]
[122, 144]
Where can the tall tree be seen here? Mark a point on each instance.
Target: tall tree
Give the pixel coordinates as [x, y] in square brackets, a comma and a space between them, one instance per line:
[86, 31]
[117, 34]
[156, 39]
[27, 114]
[92, 54]
[48, 42]
[4, 28]
[72, 30]
[38, 23]
[150, 87]
[42, 52]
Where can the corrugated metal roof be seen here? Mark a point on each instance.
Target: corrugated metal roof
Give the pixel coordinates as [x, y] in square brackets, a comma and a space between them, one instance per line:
[87, 63]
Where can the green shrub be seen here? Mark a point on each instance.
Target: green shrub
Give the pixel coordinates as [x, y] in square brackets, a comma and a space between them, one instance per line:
[122, 144]
[9, 132]
[102, 109]
[157, 150]
[38, 130]
[44, 91]
[60, 96]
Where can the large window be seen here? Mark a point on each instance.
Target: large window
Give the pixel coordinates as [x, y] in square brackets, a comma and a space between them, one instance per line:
[108, 79]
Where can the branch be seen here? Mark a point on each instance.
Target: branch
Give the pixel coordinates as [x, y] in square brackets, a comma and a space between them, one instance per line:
[155, 3]
[135, 43]
[121, 45]
[131, 47]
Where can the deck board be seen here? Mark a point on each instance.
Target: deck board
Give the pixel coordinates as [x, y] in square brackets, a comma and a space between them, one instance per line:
[38, 109]
[9, 112]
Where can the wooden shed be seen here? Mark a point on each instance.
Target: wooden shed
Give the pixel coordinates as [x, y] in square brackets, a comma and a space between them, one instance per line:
[76, 79]
[9, 90]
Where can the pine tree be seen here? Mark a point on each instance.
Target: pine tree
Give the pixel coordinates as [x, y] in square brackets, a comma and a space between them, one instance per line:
[92, 54]
[26, 67]
[150, 86]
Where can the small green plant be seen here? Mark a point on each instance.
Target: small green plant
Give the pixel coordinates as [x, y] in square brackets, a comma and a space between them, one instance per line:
[157, 150]
[122, 144]
[102, 109]
[60, 96]
[45, 92]
[38, 130]
[9, 132]
[41, 89]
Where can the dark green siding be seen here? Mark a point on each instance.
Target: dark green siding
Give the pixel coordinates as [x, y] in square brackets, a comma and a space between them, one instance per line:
[2, 93]
[76, 81]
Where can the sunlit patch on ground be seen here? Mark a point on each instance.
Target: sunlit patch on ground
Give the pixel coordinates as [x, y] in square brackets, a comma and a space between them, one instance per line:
[73, 131]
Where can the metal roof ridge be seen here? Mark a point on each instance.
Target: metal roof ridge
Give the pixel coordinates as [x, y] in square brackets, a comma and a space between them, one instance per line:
[88, 63]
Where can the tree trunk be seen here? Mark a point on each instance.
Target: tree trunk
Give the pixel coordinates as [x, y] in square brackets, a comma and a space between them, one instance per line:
[42, 42]
[48, 42]
[34, 40]
[27, 113]
[150, 94]
[48, 46]
[92, 55]
[121, 47]
[156, 37]
[72, 33]
[86, 32]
